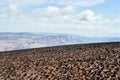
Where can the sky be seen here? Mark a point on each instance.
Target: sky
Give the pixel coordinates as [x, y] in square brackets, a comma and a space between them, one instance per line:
[92, 18]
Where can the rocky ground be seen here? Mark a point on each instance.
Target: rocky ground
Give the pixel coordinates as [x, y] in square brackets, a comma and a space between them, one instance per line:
[73, 62]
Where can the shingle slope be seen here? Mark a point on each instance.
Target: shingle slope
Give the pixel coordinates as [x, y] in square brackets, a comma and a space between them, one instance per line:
[99, 61]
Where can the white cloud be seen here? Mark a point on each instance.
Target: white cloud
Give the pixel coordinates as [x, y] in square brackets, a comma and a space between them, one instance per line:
[89, 15]
[85, 23]
[22, 2]
[66, 14]
[13, 7]
[10, 10]
[48, 12]
[54, 13]
[68, 10]
[64, 19]
[82, 3]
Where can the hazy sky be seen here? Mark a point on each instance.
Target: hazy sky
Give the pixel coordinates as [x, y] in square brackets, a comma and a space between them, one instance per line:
[84, 17]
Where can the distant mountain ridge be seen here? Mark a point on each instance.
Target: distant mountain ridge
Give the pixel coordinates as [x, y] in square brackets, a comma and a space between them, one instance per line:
[24, 40]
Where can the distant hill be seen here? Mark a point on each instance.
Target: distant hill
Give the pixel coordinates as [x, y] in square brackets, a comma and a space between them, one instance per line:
[25, 40]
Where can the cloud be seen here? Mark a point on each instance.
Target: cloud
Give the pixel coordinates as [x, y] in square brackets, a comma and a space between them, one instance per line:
[68, 10]
[10, 10]
[66, 14]
[63, 19]
[86, 23]
[9, 15]
[54, 13]
[89, 15]
[81, 3]
[48, 12]
[22, 2]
